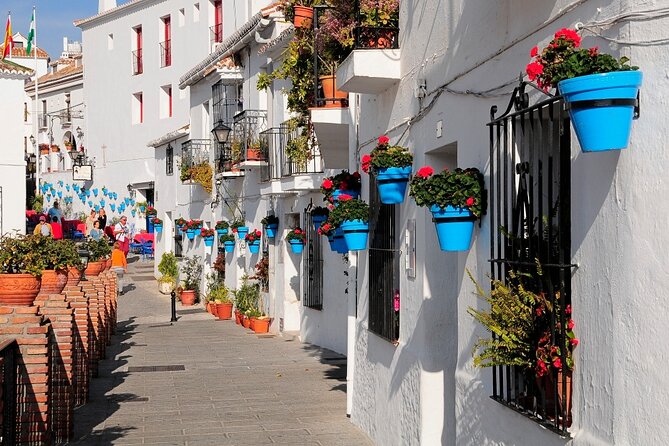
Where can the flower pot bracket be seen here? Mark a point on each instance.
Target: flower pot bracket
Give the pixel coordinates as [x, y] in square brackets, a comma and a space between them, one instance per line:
[597, 103]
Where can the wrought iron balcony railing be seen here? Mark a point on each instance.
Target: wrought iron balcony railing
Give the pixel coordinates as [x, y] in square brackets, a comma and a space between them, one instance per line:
[277, 143]
[245, 138]
[165, 53]
[377, 28]
[137, 62]
[193, 153]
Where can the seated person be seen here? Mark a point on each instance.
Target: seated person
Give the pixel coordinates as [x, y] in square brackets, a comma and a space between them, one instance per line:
[96, 233]
[56, 228]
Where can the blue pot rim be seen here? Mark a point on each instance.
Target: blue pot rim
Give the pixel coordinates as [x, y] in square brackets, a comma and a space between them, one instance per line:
[635, 78]
[272, 225]
[229, 243]
[435, 209]
[295, 242]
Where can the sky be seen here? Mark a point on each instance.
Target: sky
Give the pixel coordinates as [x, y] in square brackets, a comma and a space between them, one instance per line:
[54, 20]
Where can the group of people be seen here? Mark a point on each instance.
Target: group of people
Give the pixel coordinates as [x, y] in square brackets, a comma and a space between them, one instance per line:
[96, 224]
[51, 224]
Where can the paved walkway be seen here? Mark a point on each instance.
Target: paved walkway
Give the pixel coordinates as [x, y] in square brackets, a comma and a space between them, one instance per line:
[228, 386]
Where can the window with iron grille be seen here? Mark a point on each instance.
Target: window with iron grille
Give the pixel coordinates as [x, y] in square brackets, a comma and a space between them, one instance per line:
[383, 267]
[169, 160]
[530, 212]
[313, 266]
[178, 241]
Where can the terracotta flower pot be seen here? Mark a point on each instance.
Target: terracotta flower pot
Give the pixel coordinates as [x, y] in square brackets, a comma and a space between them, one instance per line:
[107, 264]
[303, 16]
[254, 154]
[224, 311]
[246, 321]
[261, 325]
[44, 151]
[238, 317]
[73, 276]
[53, 281]
[55, 149]
[94, 268]
[252, 323]
[187, 297]
[546, 384]
[335, 98]
[18, 289]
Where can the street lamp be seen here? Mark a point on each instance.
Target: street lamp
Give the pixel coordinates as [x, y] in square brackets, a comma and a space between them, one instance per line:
[32, 140]
[221, 132]
[80, 132]
[84, 254]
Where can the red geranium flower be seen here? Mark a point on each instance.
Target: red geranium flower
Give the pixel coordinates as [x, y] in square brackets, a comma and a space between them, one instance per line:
[298, 231]
[345, 197]
[356, 174]
[567, 310]
[574, 342]
[569, 34]
[234, 230]
[557, 363]
[470, 201]
[425, 172]
[383, 140]
[258, 234]
[534, 51]
[594, 51]
[570, 324]
[534, 69]
[331, 206]
[327, 184]
[326, 227]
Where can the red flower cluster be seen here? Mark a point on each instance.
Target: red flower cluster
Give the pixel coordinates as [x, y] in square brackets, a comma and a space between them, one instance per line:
[364, 163]
[470, 201]
[383, 140]
[204, 232]
[252, 236]
[569, 34]
[345, 197]
[156, 221]
[327, 184]
[425, 172]
[297, 231]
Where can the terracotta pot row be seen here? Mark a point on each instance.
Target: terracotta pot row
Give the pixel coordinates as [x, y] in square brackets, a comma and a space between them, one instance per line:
[253, 323]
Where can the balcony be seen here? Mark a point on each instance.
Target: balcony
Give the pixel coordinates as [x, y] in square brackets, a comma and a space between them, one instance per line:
[65, 118]
[224, 164]
[332, 127]
[215, 35]
[374, 65]
[137, 62]
[246, 149]
[194, 153]
[165, 53]
[43, 121]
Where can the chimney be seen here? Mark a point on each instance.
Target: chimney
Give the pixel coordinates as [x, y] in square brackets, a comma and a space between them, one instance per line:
[105, 5]
[65, 44]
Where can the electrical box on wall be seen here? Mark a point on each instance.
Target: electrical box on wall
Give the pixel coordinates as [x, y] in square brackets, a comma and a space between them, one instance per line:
[410, 249]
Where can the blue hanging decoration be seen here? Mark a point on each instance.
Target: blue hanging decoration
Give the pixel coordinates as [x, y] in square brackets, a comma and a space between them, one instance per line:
[115, 196]
[133, 212]
[60, 183]
[97, 208]
[67, 187]
[102, 203]
[90, 203]
[95, 191]
[48, 197]
[60, 194]
[112, 207]
[126, 200]
[132, 202]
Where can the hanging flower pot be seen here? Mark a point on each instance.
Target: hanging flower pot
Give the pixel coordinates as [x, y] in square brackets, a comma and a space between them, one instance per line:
[351, 193]
[601, 108]
[339, 242]
[296, 246]
[391, 183]
[208, 240]
[190, 233]
[331, 241]
[229, 246]
[303, 16]
[356, 233]
[242, 231]
[296, 239]
[221, 231]
[270, 230]
[158, 227]
[254, 247]
[455, 226]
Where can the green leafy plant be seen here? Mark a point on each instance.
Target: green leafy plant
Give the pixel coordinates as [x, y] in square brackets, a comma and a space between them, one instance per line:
[202, 174]
[219, 265]
[247, 296]
[384, 155]
[237, 223]
[253, 236]
[457, 188]
[37, 204]
[180, 222]
[298, 150]
[296, 234]
[222, 224]
[98, 249]
[192, 271]
[262, 272]
[61, 254]
[219, 293]
[226, 238]
[168, 265]
[327, 228]
[23, 254]
[379, 13]
[349, 209]
[194, 224]
[564, 59]
[270, 220]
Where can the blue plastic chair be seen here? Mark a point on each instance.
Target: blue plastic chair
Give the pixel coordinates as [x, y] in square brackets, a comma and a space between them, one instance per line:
[77, 235]
[136, 247]
[147, 249]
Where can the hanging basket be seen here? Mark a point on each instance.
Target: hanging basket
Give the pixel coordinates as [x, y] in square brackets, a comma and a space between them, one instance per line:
[296, 246]
[356, 233]
[318, 221]
[455, 227]
[601, 108]
[242, 231]
[229, 246]
[392, 184]
[209, 240]
[254, 247]
[158, 228]
[270, 230]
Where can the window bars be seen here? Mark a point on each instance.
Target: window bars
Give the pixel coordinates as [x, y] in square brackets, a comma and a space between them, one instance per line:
[375, 37]
[137, 63]
[530, 212]
[313, 266]
[169, 160]
[384, 267]
[165, 53]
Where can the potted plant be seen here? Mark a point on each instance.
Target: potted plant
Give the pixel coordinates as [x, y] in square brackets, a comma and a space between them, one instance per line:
[192, 271]
[21, 265]
[239, 228]
[141, 206]
[180, 224]
[327, 229]
[208, 236]
[262, 273]
[228, 241]
[44, 149]
[219, 267]
[343, 183]
[378, 23]
[599, 89]
[271, 223]
[296, 239]
[247, 297]
[59, 257]
[169, 270]
[157, 224]
[220, 295]
[151, 211]
[352, 217]
[301, 12]
[392, 167]
[253, 241]
[98, 252]
[222, 227]
[318, 215]
[192, 228]
[455, 198]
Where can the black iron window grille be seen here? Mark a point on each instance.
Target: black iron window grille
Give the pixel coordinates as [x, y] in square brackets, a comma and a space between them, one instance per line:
[376, 27]
[245, 142]
[274, 142]
[195, 152]
[178, 241]
[530, 211]
[313, 266]
[384, 267]
[169, 160]
[165, 53]
[137, 63]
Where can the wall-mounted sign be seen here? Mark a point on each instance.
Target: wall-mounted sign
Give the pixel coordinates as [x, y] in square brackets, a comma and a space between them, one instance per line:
[82, 173]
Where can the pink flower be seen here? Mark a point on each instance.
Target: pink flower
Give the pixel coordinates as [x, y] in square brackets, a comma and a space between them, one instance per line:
[327, 184]
[425, 172]
[534, 51]
[534, 70]
[470, 201]
[345, 197]
[383, 140]
[567, 310]
[574, 342]
[331, 206]
[570, 324]
[557, 363]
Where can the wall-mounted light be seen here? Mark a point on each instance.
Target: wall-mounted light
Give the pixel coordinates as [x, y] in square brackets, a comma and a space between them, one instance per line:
[221, 132]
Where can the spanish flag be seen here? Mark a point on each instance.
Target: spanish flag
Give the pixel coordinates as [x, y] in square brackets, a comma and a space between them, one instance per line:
[9, 41]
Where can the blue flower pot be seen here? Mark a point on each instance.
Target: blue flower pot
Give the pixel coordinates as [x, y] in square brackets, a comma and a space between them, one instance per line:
[229, 246]
[158, 228]
[141, 208]
[254, 247]
[455, 227]
[209, 240]
[221, 232]
[179, 230]
[242, 231]
[296, 246]
[339, 242]
[190, 233]
[337, 193]
[601, 108]
[331, 240]
[318, 220]
[392, 184]
[355, 234]
[270, 230]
